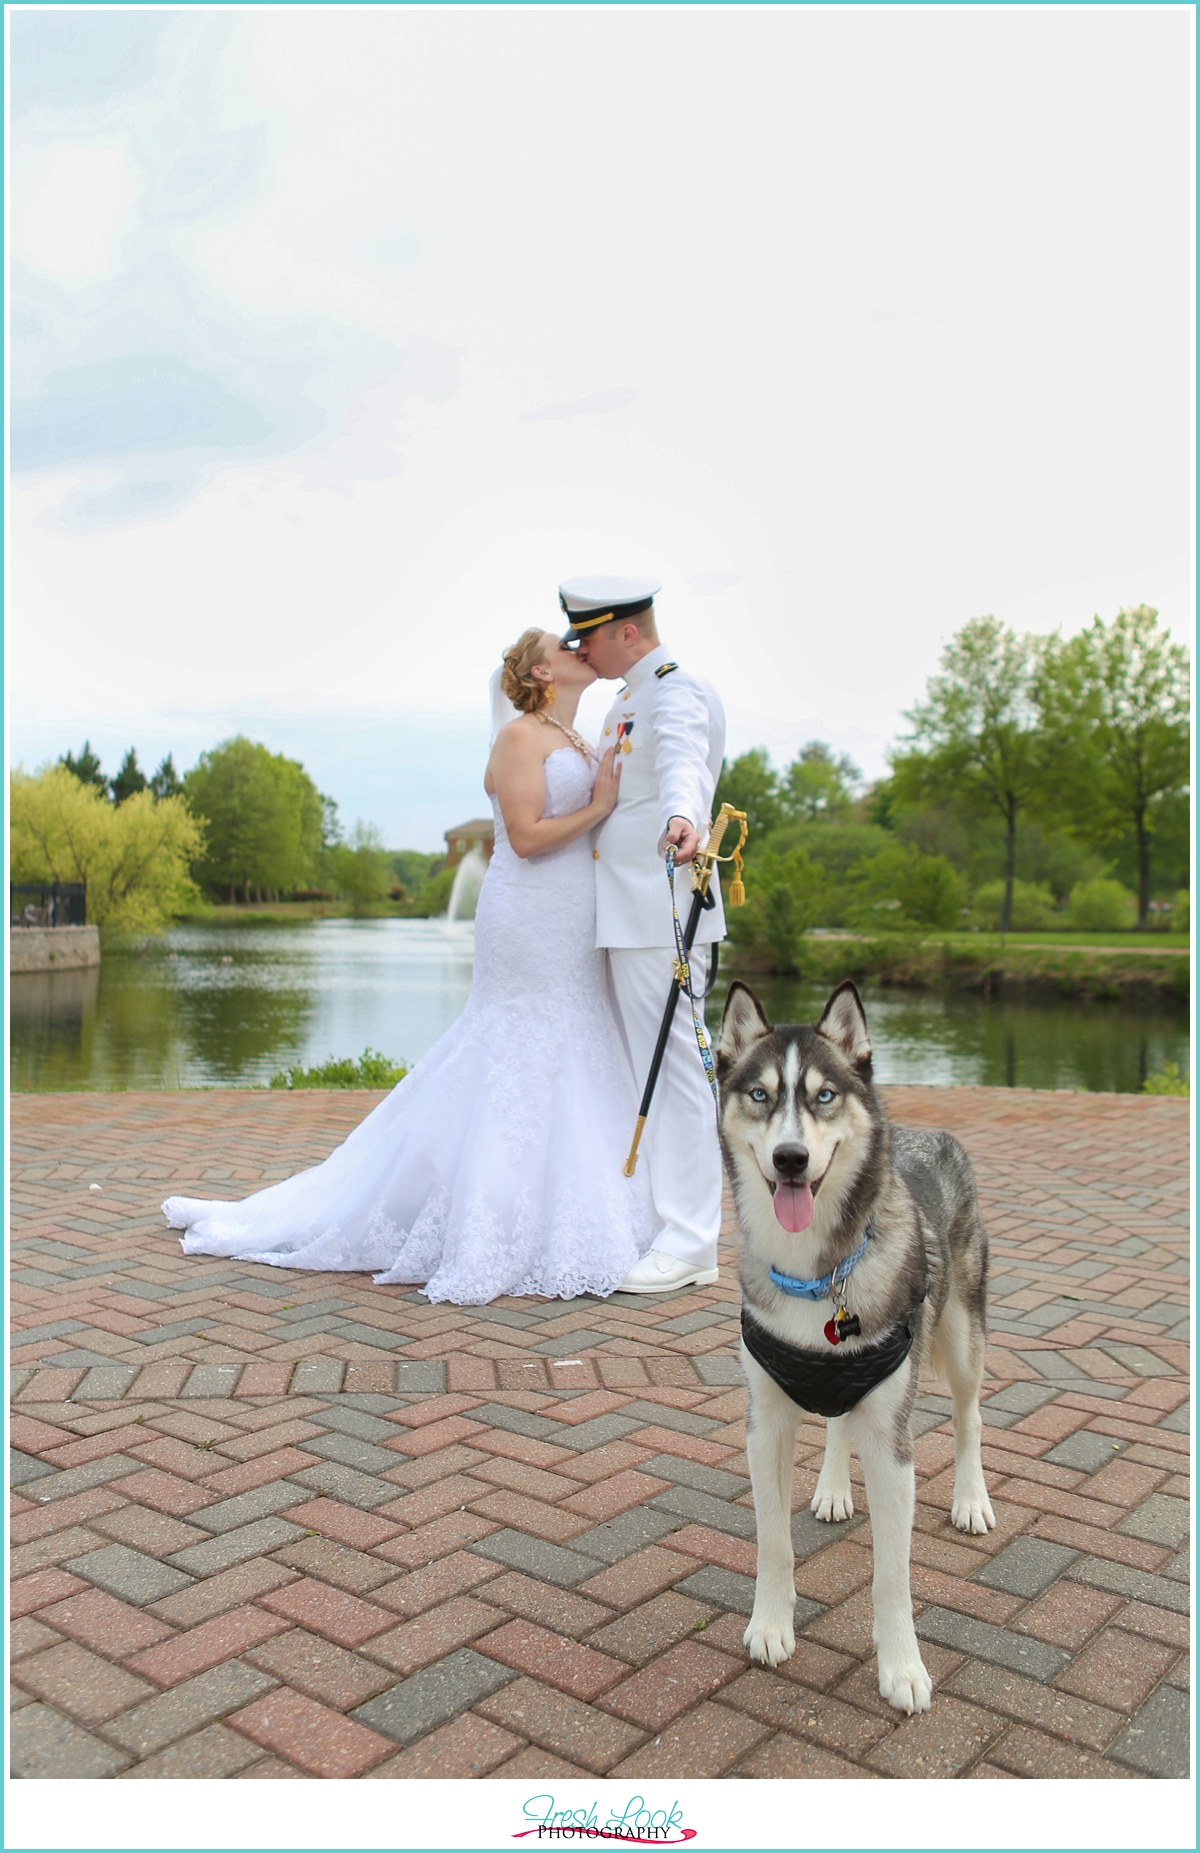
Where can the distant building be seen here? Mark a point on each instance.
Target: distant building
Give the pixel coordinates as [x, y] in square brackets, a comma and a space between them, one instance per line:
[479, 833]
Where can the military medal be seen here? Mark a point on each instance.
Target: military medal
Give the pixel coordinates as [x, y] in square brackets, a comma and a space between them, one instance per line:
[624, 744]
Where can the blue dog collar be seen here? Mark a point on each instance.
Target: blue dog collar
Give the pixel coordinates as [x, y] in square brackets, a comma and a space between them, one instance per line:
[828, 1284]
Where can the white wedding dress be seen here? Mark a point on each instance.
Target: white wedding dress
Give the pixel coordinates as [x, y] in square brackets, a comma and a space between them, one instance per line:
[495, 1166]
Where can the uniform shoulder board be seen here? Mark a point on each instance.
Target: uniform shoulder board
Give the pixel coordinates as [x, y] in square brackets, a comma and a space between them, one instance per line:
[664, 669]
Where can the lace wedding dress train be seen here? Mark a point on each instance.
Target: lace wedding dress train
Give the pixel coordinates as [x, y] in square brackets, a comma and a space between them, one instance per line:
[495, 1166]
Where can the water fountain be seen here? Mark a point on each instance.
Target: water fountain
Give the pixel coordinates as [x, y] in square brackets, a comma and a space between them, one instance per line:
[468, 880]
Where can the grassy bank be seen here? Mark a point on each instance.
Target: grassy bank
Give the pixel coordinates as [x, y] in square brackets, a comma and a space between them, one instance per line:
[978, 962]
[1066, 940]
[289, 913]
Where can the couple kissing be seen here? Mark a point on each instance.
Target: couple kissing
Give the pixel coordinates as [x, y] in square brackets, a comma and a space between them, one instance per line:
[496, 1166]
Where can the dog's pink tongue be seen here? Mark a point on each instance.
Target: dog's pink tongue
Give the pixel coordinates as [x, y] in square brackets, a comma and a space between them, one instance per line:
[793, 1206]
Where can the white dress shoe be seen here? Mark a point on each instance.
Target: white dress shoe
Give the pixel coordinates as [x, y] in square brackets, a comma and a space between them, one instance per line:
[658, 1272]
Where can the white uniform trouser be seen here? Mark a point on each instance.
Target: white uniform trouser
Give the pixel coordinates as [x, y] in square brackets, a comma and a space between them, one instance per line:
[679, 1148]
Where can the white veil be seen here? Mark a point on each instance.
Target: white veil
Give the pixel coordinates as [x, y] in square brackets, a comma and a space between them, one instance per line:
[502, 708]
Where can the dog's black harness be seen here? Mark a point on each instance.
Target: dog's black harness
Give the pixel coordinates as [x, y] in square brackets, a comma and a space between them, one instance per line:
[830, 1383]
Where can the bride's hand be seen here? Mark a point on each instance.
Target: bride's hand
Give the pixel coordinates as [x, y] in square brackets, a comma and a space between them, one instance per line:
[608, 784]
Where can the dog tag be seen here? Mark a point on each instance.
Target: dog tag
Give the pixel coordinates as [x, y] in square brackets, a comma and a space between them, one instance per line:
[842, 1325]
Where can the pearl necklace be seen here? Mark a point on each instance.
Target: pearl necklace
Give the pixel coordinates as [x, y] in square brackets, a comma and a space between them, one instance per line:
[577, 740]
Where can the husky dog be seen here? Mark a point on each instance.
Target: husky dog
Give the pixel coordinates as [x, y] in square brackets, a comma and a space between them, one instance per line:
[862, 1253]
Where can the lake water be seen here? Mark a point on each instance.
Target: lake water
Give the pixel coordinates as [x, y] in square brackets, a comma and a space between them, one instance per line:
[229, 1006]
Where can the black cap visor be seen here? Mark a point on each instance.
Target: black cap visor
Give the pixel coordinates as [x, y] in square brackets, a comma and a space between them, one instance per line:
[584, 621]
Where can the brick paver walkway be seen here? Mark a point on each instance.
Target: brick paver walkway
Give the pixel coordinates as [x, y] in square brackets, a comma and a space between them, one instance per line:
[276, 1524]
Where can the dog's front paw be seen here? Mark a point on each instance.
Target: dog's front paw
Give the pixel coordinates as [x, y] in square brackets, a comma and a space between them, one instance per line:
[770, 1639]
[972, 1512]
[832, 1506]
[906, 1684]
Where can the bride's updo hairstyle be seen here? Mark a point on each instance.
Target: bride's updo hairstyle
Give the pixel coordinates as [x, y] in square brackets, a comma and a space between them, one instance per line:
[517, 678]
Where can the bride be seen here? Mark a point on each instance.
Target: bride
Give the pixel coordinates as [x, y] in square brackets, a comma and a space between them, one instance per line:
[495, 1166]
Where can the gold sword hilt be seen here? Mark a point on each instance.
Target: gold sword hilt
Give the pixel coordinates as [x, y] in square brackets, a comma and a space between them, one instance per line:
[703, 864]
[706, 859]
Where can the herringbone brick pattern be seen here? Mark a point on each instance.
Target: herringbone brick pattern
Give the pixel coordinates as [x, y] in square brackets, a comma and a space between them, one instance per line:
[275, 1524]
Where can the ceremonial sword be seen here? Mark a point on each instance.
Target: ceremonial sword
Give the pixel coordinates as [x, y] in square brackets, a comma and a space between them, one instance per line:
[703, 863]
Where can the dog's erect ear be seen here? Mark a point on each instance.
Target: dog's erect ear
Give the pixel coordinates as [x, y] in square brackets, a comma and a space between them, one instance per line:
[844, 1024]
[742, 1024]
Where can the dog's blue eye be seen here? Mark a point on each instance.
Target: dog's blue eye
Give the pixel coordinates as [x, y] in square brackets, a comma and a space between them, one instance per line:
[825, 1096]
[758, 1094]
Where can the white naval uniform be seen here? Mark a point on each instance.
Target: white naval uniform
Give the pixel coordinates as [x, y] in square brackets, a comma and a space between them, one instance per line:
[670, 729]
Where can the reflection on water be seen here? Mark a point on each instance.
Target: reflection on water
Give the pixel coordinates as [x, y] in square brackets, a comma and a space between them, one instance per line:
[227, 1006]
[54, 1014]
[943, 1038]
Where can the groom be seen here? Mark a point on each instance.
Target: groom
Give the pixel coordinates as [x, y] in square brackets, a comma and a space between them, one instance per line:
[669, 728]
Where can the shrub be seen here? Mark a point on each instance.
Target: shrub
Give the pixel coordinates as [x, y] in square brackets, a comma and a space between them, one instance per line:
[835, 848]
[904, 887]
[785, 895]
[1179, 919]
[434, 898]
[1100, 905]
[1169, 1080]
[370, 1070]
[1033, 906]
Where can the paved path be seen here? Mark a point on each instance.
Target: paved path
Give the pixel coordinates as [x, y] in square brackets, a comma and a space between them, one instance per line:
[282, 1525]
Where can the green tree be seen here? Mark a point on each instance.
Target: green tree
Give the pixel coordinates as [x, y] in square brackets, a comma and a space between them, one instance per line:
[297, 857]
[1115, 703]
[410, 869]
[331, 823]
[977, 734]
[263, 817]
[880, 805]
[166, 782]
[433, 898]
[129, 780]
[785, 896]
[361, 868]
[901, 886]
[818, 785]
[134, 857]
[331, 838]
[86, 768]
[751, 784]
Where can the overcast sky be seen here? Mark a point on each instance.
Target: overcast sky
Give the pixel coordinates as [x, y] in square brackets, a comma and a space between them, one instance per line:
[339, 337]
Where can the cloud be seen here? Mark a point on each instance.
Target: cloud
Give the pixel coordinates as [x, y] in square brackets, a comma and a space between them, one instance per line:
[710, 585]
[401, 248]
[926, 302]
[320, 186]
[136, 403]
[614, 401]
[125, 495]
[139, 365]
[79, 58]
[73, 206]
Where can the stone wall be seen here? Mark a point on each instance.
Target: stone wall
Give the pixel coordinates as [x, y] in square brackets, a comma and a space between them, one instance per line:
[45, 949]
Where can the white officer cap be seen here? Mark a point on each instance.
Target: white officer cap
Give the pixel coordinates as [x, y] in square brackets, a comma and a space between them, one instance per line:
[589, 602]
